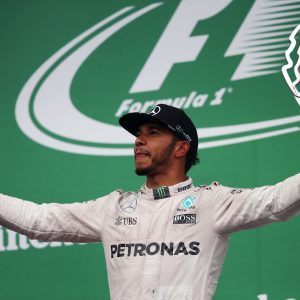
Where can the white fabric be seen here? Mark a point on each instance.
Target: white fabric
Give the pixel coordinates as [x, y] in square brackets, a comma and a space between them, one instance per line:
[170, 248]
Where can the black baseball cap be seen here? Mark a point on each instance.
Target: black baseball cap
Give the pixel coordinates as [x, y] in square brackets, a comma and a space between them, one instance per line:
[172, 117]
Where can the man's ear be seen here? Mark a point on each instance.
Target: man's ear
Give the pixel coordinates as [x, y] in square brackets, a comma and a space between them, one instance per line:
[182, 148]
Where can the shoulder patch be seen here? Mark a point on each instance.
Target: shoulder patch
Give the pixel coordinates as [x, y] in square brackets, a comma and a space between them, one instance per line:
[210, 187]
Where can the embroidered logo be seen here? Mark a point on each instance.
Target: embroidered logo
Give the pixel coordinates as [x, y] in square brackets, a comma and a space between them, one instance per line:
[161, 192]
[184, 219]
[125, 221]
[188, 202]
[129, 206]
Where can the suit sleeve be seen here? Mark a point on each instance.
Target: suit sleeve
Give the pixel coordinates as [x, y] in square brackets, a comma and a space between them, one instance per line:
[75, 222]
[237, 209]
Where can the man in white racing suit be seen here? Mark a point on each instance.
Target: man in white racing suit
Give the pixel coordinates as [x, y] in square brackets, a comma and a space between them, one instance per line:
[168, 240]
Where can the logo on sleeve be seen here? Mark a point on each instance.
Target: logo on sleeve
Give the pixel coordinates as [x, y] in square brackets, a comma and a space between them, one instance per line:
[237, 191]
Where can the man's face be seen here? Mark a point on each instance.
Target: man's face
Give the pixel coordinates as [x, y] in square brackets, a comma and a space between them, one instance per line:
[153, 148]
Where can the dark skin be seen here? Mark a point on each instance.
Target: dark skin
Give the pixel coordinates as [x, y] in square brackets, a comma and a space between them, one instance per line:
[159, 155]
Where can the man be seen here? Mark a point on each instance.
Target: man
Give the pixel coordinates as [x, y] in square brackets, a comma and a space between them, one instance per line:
[168, 240]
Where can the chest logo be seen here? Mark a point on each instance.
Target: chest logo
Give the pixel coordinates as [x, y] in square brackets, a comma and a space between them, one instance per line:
[125, 221]
[129, 206]
[184, 219]
[188, 202]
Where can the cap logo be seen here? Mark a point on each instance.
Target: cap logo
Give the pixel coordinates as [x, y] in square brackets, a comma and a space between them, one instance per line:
[155, 110]
[181, 131]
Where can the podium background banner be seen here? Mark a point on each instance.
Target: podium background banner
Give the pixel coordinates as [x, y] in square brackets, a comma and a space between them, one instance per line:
[70, 69]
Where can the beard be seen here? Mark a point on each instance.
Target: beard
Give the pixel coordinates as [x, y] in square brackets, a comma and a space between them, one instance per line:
[158, 160]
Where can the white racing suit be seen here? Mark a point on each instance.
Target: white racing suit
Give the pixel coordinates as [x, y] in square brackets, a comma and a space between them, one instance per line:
[167, 243]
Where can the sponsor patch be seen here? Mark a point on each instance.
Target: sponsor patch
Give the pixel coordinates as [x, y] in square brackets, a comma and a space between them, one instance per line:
[188, 202]
[129, 206]
[125, 221]
[237, 191]
[154, 248]
[184, 188]
[161, 192]
[184, 219]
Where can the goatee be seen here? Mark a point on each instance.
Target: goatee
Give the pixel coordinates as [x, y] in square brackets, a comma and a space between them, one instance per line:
[158, 161]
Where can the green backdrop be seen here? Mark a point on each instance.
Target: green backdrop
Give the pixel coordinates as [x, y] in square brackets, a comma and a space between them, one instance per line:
[64, 82]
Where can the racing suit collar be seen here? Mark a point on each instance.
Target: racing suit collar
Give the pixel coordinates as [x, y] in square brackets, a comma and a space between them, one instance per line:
[166, 191]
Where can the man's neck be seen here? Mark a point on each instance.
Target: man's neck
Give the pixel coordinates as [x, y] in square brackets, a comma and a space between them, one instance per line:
[156, 181]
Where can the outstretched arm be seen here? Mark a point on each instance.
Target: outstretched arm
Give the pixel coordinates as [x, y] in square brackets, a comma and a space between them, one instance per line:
[76, 222]
[237, 209]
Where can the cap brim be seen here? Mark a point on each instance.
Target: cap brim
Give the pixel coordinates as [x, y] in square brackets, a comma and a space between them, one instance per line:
[132, 121]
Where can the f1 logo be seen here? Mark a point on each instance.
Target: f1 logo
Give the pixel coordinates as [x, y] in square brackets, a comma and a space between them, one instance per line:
[176, 44]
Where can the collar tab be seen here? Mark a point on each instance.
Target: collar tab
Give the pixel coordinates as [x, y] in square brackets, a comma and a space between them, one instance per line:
[161, 192]
[166, 191]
